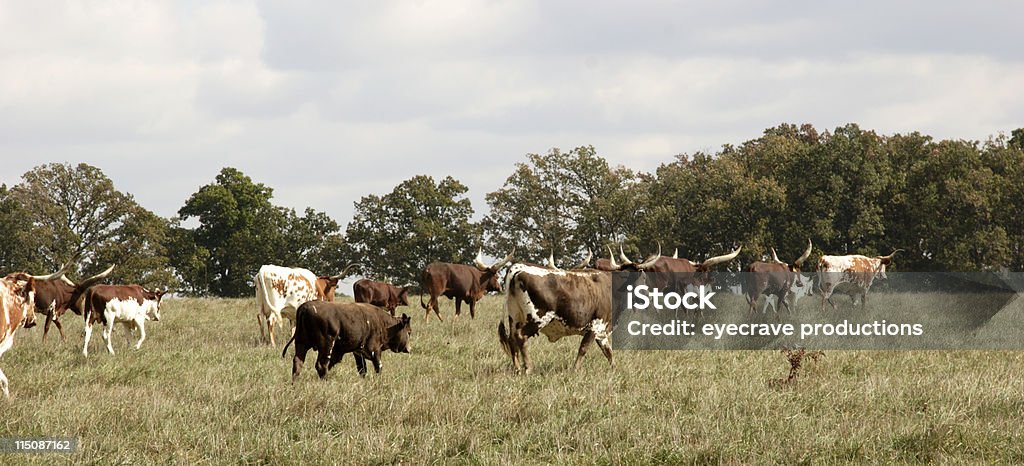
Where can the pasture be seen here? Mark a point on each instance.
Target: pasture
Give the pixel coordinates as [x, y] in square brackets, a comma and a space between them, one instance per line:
[203, 391]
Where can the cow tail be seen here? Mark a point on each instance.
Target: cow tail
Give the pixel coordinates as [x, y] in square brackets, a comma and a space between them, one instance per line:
[421, 301]
[290, 340]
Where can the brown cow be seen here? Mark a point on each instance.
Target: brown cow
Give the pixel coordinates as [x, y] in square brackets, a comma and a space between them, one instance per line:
[380, 294]
[774, 278]
[56, 295]
[333, 329]
[129, 305]
[674, 274]
[460, 282]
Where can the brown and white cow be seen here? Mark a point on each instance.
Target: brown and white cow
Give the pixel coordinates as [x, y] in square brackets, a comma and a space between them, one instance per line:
[774, 278]
[129, 305]
[55, 296]
[460, 282]
[16, 296]
[281, 290]
[380, 294]
[333, 329]
[556, 303]
[850, 275]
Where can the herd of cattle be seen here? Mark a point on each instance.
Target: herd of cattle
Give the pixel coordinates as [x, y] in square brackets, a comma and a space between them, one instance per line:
[540, 299]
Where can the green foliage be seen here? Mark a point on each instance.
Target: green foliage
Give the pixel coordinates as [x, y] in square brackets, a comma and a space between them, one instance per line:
[60, 211]
[563, 203]
[396, 235]
[240, 230]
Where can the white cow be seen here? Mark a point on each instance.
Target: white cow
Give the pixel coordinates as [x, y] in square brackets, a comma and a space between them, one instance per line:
[16, 310]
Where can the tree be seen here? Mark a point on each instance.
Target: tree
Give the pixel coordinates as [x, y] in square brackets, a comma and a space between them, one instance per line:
[75, 211]
[562, 203]
[396, 235]
[239, 230]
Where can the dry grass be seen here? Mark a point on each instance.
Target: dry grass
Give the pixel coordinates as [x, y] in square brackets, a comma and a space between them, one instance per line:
[201, 391]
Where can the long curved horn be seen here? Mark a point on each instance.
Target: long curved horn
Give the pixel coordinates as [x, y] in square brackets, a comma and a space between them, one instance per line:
[498, 265]
[675, 254]
[775, 257]
[53, 276]
[478, 261]
[622, 255]
[806, 254]
[611, 259]
[889, 257]
[650, 260]
[95, 278]
[551, 261]
[720, 259]
[343, 271]
[586, 260]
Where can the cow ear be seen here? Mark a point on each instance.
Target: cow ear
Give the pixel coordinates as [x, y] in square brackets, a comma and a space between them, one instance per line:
[405, 319]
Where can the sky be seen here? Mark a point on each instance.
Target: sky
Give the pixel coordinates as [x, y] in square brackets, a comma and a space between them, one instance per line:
[329, 101]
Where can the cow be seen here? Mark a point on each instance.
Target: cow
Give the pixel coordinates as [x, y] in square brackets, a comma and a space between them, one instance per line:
[674, 274]
[802, 287]
[129, 305]
[281, 290]
[460, 282]
[56, 295]
[850, 275]
[556, 303]
[774, 278]
[17, 294]
[380, 294]
[333, 329]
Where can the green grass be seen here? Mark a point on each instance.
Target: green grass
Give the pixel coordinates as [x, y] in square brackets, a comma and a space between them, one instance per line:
[202, 391]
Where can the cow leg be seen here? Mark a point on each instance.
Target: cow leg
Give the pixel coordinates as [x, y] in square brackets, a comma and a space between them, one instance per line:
[60, 328]
[606, 347]
[588, 339]
[260, 322]
[142, 333]
[88, 334]
[360, 364]
[375, 359]
[108, 331]
[472, 309]
[300, 358]
[458, 307]
[271, 323]
[323, 360]
[46, 326]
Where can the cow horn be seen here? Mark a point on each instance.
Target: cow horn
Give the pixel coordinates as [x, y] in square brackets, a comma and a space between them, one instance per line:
[479, 260]
[775, 257]
[622, 255]
[675, 254]
[53, 276]
[551, 261]
[344, 271]
[650, 260]
[586, 260]
[611, 259]
[806, 254]
[498, 265]
[889, 257]
[720, 259]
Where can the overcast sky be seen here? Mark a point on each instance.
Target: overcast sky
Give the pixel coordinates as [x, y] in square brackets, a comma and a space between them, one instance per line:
[326, 102]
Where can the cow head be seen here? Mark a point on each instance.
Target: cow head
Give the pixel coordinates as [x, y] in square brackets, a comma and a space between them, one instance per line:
[152, 302]
[884, 261]
[327, 286]
[403, 296]
[798, 263]
[489, 277]
[398, 335]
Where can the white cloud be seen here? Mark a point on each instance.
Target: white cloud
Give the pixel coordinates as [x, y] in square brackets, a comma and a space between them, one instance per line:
[327, 102]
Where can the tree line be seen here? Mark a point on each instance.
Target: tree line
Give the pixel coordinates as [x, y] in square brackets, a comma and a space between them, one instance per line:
[949, 204]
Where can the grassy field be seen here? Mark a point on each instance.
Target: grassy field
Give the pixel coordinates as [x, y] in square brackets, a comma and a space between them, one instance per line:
[202, 391]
